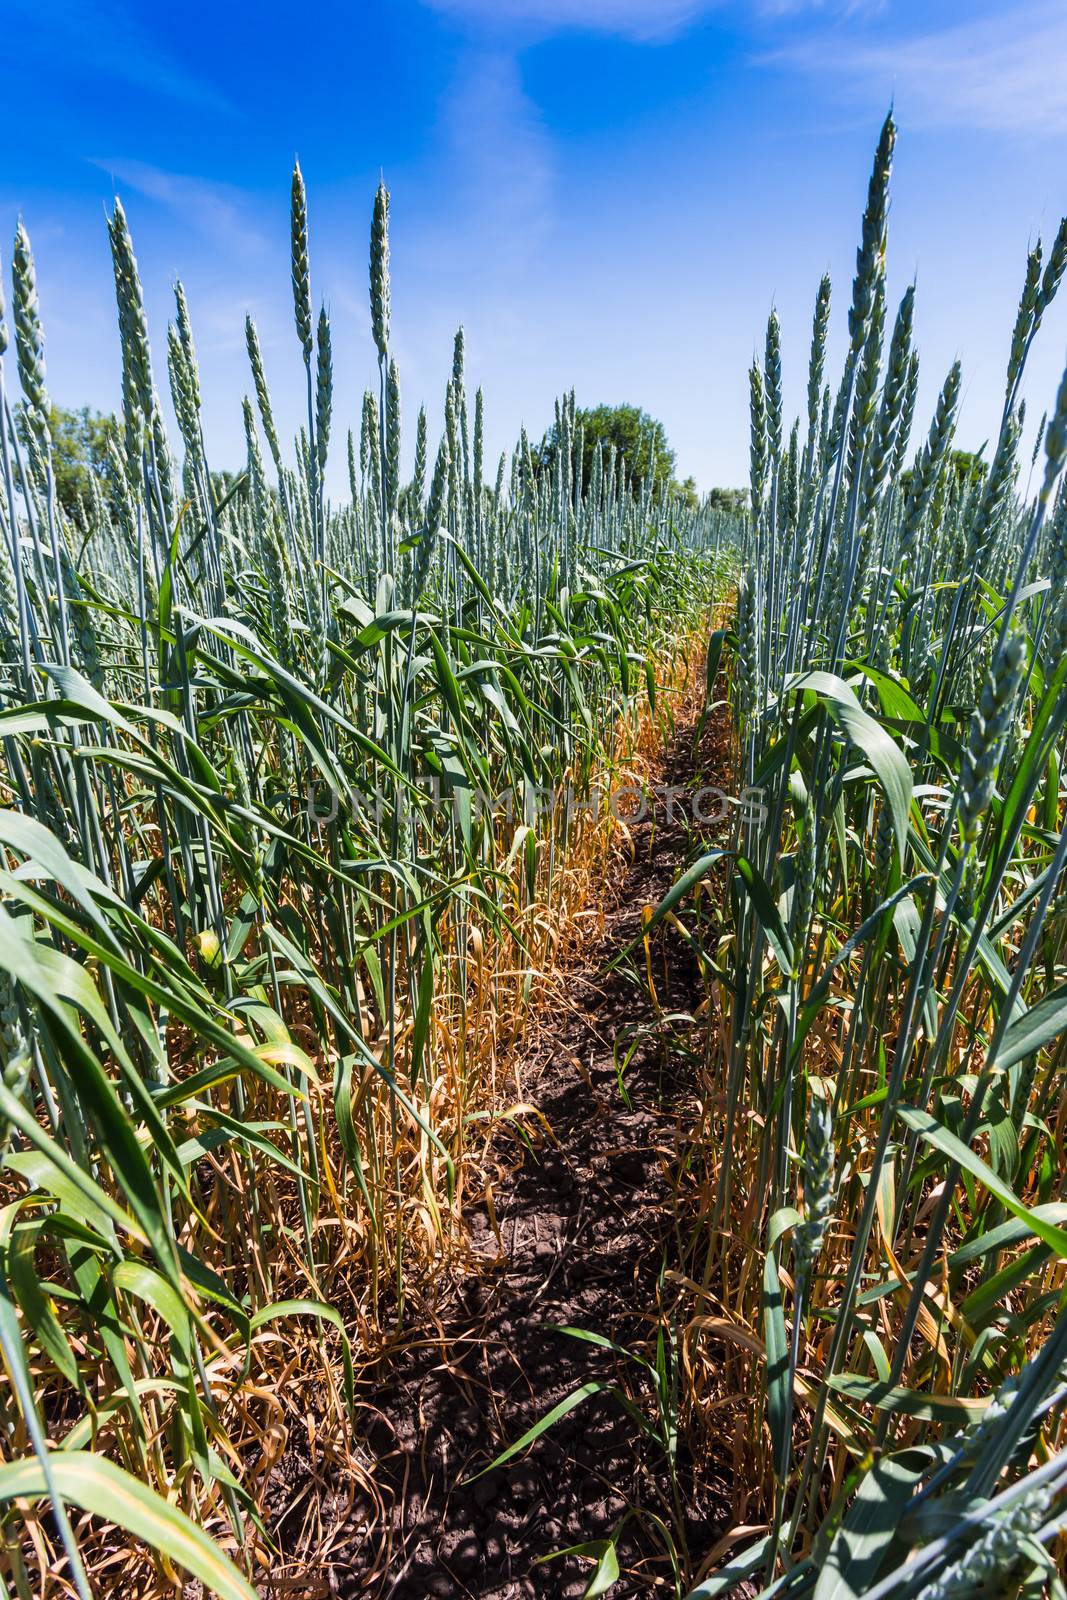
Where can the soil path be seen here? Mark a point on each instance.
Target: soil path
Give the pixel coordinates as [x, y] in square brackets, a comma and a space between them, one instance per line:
[585, 1226]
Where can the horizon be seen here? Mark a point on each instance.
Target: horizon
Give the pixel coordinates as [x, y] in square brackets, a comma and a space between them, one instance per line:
[528, 149]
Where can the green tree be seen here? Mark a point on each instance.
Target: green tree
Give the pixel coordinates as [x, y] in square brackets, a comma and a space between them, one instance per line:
[689, 493]
[965, 467]
[732, 500]
[968, 467]
[79, 452]
[637, 437]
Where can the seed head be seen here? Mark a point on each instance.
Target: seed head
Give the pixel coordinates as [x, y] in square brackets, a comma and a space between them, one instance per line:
[997, 489]
[1027, 316]
[870, 256]
[748, 646]
[259, 378]
[418, 481]
[863, 406]
[987, 1558]
[907, 415]
[138, 389]
[479, 441]
[185, 333]
[931, 461]
[990, 723]
[773, 369]
[370, 446]
[298, 227]
[893, 391]
[379, 271]
[818, 1184]
[256, 476]
[323, 390]
[29, 340]
[758, 438]
[804, 894]
[820, 325]
[392, 437]
[435, 515]
[181, 387]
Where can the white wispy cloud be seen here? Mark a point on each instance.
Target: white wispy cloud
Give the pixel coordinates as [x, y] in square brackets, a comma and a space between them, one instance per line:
[1006, 73]
[217, 210]
[645, 21]
[845, 9]
[500, 145]
[634, 19]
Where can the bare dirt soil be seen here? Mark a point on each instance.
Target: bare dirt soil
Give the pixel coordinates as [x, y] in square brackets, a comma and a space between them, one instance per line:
[583, 1232]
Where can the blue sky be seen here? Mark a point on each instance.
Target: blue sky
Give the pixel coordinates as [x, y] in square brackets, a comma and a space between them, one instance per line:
[608, 194]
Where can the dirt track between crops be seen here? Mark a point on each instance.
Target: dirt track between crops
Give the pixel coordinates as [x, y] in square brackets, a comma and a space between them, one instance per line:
[585, 1225]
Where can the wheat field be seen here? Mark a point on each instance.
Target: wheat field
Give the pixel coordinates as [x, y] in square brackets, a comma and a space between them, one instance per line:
[280, 889]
